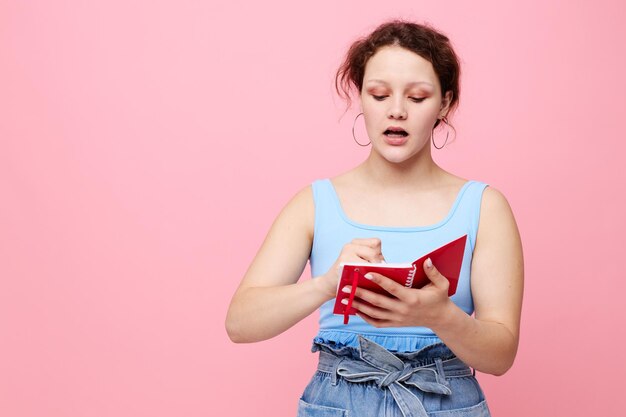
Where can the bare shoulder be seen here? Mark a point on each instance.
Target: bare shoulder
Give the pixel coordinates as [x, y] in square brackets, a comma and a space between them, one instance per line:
[287, 246]
[347, 180]
[496, 212]
[297, 217]
[494, 199]
[300, 210]
[497, 228]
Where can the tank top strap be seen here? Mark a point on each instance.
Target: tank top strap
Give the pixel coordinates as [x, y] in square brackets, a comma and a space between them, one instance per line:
[324, 200]
[327, 217]
[470, 208]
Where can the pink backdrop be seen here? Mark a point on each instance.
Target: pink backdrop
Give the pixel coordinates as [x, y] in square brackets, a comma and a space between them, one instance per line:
[146, 147]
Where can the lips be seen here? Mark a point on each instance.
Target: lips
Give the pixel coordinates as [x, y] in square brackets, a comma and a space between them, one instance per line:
[395, 132]
[395, 136]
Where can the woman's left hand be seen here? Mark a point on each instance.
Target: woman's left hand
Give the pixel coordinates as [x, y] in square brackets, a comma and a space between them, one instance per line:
[406, 306]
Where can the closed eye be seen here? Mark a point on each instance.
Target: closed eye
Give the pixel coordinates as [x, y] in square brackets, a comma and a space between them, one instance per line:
[414, 99]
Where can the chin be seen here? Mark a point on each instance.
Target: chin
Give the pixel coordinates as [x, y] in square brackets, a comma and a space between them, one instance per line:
[399, 155]
[397, 158]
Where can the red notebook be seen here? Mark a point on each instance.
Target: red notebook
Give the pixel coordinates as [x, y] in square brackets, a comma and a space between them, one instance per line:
[447, 259]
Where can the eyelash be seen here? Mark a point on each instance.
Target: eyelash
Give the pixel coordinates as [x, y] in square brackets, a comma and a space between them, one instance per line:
[415, 99]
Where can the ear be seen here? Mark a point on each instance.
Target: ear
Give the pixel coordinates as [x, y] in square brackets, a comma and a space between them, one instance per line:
[445, 103]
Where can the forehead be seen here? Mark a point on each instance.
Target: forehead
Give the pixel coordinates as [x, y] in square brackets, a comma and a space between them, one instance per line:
[396, 65]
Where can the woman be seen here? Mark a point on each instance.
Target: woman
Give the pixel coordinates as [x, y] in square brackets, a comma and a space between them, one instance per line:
[408, 353]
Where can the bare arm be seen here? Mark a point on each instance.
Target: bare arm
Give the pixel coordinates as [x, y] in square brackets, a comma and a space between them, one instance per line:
[269, 300]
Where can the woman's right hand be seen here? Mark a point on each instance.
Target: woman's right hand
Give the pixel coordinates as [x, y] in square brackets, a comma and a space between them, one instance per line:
[358, 250]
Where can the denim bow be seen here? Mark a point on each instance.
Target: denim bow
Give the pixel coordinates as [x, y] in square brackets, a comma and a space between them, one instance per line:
[390, 372]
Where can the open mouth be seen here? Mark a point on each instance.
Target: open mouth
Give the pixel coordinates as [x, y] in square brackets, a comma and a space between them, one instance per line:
[395, 133]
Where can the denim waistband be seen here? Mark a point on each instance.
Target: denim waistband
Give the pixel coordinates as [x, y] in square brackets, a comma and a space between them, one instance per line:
[426, 370]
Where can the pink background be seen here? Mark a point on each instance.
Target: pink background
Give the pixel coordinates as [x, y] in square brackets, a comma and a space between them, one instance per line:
[147, 146]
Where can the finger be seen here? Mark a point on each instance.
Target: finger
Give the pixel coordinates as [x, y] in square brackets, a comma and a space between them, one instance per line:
[371, 311]
[435, 277]
[368, 254]
[372, 242]
[389, 285]
[373, 298]
[371, 320]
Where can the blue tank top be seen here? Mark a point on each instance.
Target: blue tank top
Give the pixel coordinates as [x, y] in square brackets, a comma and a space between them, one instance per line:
[333, 229]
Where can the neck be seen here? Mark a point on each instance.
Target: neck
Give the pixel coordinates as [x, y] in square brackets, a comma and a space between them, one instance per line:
[419, 172]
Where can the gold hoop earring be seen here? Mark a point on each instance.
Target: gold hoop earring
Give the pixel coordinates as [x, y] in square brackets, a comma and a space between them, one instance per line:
[353, 136]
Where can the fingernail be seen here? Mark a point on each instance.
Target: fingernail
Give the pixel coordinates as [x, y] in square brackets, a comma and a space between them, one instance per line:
[344, 301]
[369, 276]
[346, 289]
[429, 263]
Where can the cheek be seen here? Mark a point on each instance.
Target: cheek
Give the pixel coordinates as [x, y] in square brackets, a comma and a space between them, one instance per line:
[371, 115]
[373, 120]
[433, 108]
[373, 112]
[426, 114]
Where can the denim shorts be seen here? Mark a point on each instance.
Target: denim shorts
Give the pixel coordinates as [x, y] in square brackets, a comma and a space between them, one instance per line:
[371, 381]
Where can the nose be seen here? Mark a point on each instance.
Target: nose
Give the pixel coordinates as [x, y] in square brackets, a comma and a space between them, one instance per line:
[397, 109]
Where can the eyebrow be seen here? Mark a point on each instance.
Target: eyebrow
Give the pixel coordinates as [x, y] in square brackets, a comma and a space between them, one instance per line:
[411, 84]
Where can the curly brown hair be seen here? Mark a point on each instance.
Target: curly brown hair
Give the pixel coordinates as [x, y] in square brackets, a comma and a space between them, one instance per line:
[422, 39]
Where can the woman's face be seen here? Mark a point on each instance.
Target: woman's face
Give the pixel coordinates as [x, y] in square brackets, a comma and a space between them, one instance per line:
[401, 101]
